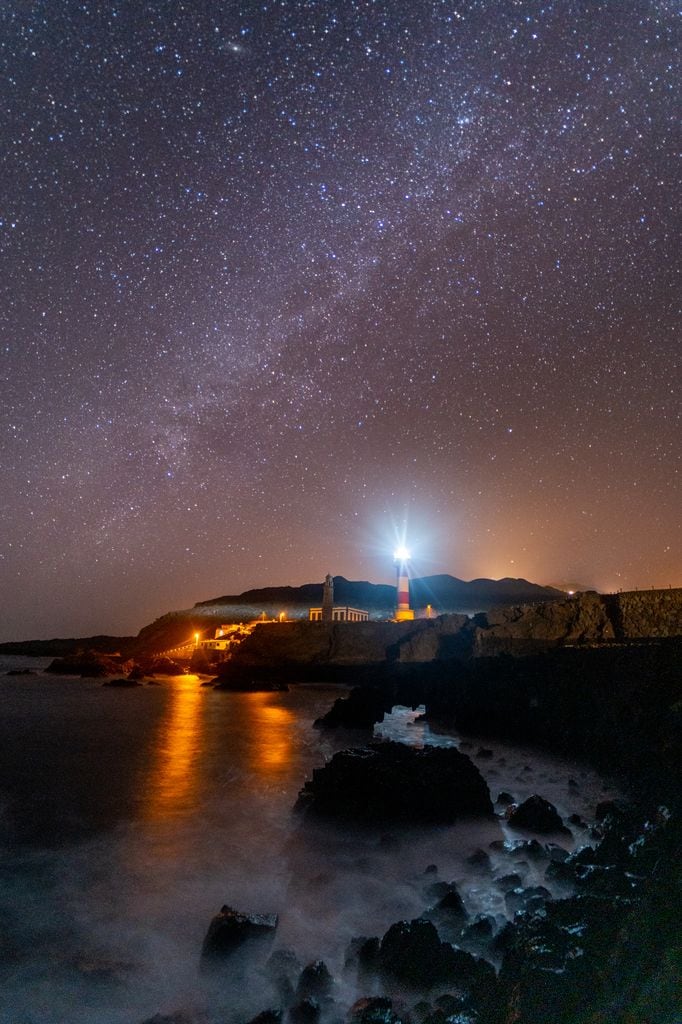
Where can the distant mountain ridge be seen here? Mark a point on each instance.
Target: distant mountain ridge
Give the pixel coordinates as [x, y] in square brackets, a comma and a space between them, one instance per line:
[443, 592]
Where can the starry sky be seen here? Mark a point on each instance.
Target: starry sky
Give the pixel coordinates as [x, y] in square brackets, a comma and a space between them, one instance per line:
[284, 281]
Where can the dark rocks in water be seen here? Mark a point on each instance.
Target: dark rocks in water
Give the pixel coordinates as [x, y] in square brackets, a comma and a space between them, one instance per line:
[478, 935]
[531, 849]
[230, 929]
[137, 673]
[520, 848]
[612, 947]
[122, 682]
[315, 981]
[373, 1010]
[20, 672]
[556, 852]
[537, 815]
[361, 709]
[88, 664]
[451, 905]
[562, 873]
[526, 900]
[505, 799]
[391, 781]
[413, 954]
[504, 940]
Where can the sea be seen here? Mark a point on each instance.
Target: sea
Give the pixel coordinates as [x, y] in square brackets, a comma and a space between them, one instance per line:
[129, 817]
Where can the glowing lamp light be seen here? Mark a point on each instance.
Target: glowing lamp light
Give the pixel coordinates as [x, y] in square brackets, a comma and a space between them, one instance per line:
[401, 554]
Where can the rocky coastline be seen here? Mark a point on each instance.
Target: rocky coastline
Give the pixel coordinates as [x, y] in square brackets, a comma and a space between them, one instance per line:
[597, 941]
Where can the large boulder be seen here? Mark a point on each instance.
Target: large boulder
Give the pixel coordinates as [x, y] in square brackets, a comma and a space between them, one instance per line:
[537, 815]
[230, 929]
[412, 953]
[394, 782]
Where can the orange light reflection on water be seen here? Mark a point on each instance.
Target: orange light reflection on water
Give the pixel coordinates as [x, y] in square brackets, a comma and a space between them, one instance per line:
[270, 730]
[174, 770]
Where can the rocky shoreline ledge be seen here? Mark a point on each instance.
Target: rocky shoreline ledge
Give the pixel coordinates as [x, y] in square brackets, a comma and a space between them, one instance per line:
[595, 941]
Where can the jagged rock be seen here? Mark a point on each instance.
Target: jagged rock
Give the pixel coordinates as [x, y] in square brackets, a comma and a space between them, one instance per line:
[451, 905]
[230, 929]
[505, 799]
[315, 981]
[537, 815]
[361, 709]
[390, 781]
[412, 952]
[124, 683]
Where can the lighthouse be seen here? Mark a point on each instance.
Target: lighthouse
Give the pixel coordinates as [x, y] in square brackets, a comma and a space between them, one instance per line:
[403, 612]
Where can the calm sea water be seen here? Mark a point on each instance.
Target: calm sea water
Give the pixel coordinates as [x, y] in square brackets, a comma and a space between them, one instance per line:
[128, 817]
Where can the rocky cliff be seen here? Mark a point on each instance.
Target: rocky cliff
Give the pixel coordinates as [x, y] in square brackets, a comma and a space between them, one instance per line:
[588, 618]
[583, 620]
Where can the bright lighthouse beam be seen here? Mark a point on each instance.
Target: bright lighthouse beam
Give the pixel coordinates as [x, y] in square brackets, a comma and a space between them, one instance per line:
[401, 554]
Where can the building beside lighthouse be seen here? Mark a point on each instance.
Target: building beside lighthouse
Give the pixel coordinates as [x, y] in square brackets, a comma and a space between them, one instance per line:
[330, 612]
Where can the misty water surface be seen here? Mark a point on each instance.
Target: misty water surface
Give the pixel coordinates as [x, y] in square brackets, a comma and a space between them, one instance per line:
[130, 816]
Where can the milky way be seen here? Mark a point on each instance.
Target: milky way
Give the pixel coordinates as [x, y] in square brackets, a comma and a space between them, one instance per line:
[279, 278]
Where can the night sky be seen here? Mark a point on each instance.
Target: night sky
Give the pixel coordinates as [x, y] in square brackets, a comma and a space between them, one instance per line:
[282, 280]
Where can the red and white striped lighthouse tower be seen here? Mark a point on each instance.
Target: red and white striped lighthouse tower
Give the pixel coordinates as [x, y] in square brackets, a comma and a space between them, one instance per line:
[403, 612]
